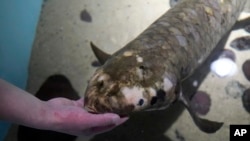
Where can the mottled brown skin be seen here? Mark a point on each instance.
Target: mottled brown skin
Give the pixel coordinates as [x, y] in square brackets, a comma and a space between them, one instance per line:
[172, 47]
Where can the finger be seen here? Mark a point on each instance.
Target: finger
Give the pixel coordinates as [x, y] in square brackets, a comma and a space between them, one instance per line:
[102, 129]
[122, 120]
[80, 102]
[103, 119]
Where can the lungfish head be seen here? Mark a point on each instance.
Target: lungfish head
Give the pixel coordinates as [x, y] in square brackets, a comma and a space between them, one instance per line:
[127, 82]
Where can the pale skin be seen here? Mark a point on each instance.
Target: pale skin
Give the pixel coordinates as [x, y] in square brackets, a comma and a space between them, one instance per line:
[58, 114]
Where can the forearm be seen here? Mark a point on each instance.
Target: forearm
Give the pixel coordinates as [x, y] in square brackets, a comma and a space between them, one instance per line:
[58, 114]
[20, 107]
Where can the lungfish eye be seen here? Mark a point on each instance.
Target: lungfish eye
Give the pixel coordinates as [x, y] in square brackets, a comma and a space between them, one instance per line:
[100, 84]
[141, 101]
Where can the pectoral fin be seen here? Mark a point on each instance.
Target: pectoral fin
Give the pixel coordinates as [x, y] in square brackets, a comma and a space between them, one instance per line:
[101, 56]
[203, 124]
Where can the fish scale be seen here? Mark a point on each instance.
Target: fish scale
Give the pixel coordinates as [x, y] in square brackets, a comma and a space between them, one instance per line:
[201, 24]
[147, 73]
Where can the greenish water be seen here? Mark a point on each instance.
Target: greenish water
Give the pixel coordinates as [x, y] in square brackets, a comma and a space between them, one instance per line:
[17, 25]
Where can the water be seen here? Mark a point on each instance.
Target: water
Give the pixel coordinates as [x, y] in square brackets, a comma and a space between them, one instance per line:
[17, 25]
[62, 46]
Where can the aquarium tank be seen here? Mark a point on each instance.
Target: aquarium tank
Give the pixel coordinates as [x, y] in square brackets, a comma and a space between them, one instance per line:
[17, 25]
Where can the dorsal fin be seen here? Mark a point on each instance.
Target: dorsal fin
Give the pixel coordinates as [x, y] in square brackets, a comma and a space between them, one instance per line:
[101, 56]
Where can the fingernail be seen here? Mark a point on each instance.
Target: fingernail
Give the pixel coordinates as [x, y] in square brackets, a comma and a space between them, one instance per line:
[117, 120]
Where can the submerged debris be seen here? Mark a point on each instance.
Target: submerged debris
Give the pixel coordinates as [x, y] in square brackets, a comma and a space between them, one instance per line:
[241, 43]
[246, 69]
[172, 3]
[85, 16]
[247, 28]
[96, 63]
[246, 100]
[224, 66]
[201, 103]
[227, 53]
[234, 89]
[179, 136]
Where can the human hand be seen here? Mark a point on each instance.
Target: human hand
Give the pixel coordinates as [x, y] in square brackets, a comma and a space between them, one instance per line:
[68, 116]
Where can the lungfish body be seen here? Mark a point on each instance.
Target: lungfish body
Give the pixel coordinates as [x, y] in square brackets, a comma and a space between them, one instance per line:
[147, 73]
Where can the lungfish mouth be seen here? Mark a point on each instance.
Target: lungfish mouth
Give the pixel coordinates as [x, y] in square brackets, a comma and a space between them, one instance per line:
[88, 107]
[94, 105]
[90, 110]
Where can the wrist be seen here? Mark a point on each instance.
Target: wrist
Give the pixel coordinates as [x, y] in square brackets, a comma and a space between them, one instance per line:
[42, 117]
[49, 119]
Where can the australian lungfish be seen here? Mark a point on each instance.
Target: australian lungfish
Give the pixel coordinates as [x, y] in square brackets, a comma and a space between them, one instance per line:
[148, 72]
